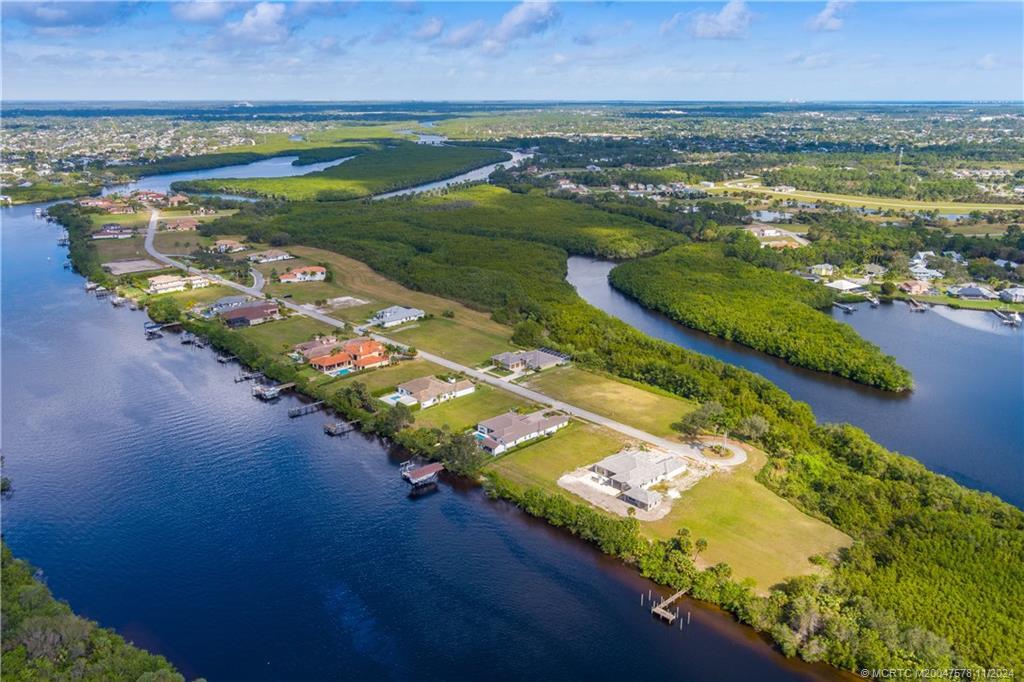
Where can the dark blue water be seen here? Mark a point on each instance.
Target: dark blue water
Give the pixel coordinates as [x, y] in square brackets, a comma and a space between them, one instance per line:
[160, 499]
[965, 417]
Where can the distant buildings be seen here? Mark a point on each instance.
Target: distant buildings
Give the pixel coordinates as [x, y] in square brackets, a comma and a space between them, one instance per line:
[396, 315]
[498, 434]
[307, 273]
[228, 246]
[164, 284]
[180, 224]
[114, 231]
[428, 391]
[823, 269]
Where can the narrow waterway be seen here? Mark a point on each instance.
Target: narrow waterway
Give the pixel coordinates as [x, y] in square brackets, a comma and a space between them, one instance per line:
[965, 417]
[162, 500]
[476, 175]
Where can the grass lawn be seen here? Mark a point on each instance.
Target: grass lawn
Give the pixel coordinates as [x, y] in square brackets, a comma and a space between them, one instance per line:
[120, 249]
[882, 203]
[453, 341]
[543, 462]
[642, 407]
[759, 534]
[388, 377]
[464, 413]
[137, 220]
[278, 337]
[179, 242]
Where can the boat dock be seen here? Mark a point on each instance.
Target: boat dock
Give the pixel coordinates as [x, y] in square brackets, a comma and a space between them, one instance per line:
[661, 608]
[417, 475]
[916, 306]
[267, 392]
[338, 428]
[848, 309]
[1009, 317]
[247, 376]
[306, 409]
[225, 359]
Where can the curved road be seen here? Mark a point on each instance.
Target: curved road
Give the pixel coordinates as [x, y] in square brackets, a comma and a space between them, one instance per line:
[682, 449]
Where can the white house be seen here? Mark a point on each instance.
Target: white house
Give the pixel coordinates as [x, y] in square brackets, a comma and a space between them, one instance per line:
[269, 256]
[307, 273]
[498, 434]
[844, 285]
[396, 315]
[823, 269]
[1012, 295]
[163, 284]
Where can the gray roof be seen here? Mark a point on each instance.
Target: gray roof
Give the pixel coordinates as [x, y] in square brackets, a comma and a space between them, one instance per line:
[397, 312]
[534, 359]
[635, 468]
[510, 427]
[647, 498]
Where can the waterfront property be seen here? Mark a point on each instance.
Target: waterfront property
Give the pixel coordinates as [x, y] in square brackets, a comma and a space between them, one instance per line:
[165, 284]
[396, 315]
[251, 314]
[498, 434]
[354, 355]
[823, 269]
[515, 361]
[306, 273]
[973, 292]
[226, 303]
[427, 391]
[318, 347]
[915, 287]
[270, 256]
[844, 286]
[633, 472]
[114, 231]
[1012, 295]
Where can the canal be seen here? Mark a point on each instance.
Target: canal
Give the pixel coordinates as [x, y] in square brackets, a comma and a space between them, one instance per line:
[159, 498]
[965, 417]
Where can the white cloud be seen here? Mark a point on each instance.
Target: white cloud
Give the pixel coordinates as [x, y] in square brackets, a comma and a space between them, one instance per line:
[829, 19]
[263, 23]
[601, 33]
[812, 60]
[988, 61]
[731, 21]
[466, 35]
[200, 11]
[430, 29]
[524, 20]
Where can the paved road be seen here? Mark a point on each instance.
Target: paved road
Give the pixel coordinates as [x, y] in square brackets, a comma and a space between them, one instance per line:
[682, 449]
[257, 279]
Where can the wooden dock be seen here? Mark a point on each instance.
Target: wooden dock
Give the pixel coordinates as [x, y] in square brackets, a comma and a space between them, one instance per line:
[338, 428]
[916, 306]
[848, 309]
[661, 608]
[247, 376]
[265, 392]
[306, 409]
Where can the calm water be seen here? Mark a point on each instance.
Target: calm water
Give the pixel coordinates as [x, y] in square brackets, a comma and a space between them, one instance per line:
[161, 499]
[964, 419]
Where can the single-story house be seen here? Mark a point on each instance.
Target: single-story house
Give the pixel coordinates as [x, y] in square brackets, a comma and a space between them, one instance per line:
[177, 199]
[251, 315]
[921, 272]
[641, 498]
[973, 291]
[396, 315]
[181, 224]
[638, 468]
[163, 284]
[329, 364]
[915, 287]
[527, 359]
[429, 391]
[228, 246]
[823, 269]
[318, 347]
[498, 434]
[227, 303]
[270, 256]
[1012, 295]
[844, 285]
[1003, 263]
[875, 270]
[307, 273]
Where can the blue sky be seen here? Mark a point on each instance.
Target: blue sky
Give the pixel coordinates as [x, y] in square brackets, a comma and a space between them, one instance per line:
[735, 50]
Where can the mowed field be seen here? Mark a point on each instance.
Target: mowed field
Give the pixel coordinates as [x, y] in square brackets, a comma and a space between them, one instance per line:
[278, 337]
[642, 407]
[759, 534]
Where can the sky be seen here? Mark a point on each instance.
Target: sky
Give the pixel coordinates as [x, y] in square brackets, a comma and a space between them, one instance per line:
[536, 50]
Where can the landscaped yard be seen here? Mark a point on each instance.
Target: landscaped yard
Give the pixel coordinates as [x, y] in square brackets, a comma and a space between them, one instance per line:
[543, 462]
[644, 408]
[464, 413]
[759, 534]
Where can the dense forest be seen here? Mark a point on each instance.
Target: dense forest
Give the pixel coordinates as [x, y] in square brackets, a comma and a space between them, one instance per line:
[777, 313]
[44, 640]
[912, 528]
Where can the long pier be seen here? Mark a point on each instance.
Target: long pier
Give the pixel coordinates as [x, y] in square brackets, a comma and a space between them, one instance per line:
[306, 409]
[848, 309]
[661, 608]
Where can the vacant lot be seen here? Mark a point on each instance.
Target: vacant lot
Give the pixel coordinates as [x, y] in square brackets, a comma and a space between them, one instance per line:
[179, 242]
[542, 463]
[464, 413]
[759, 534]
[120, 249]
[630, 404]
[453, 341]
[278, 337]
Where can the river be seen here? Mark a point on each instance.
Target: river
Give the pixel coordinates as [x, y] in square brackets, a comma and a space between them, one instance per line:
[162, 500]
[965, 417]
